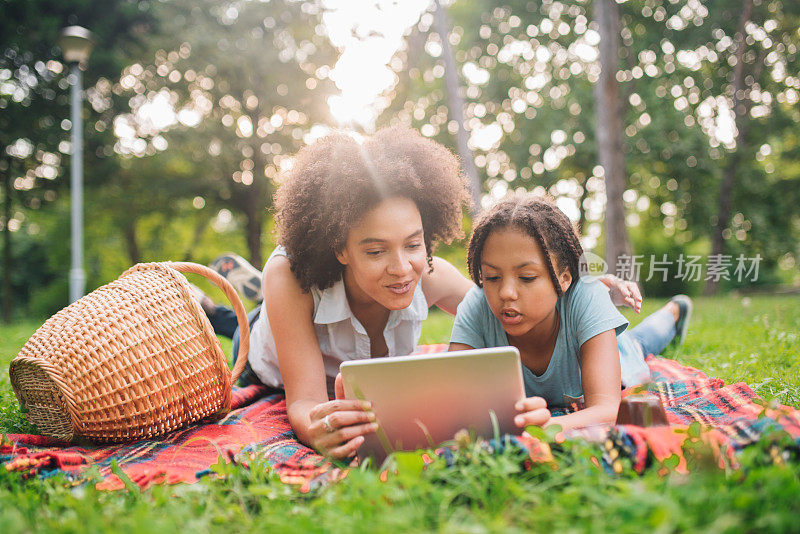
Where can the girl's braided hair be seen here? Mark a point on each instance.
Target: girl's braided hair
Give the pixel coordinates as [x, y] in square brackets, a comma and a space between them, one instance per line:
[335, 181]
[538, 217]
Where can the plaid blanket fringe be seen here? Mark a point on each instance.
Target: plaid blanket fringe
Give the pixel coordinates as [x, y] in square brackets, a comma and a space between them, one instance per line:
[733, 415]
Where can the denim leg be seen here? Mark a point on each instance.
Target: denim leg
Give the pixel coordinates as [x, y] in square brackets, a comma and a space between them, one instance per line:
[655, 332]
[633, 368]
[247, 377]
[223, 321]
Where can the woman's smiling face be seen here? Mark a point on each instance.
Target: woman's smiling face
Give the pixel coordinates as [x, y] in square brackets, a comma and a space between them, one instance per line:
[517, 281]
[385, 255]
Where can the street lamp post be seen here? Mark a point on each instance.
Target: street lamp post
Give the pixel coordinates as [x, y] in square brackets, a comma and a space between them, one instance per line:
[76, 45]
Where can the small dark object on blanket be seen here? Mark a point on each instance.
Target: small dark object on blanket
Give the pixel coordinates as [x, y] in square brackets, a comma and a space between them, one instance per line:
[641, 410]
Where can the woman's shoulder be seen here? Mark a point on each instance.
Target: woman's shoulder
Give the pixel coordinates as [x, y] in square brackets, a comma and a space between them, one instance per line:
[441, 272]
[278, 265]
[280, 284]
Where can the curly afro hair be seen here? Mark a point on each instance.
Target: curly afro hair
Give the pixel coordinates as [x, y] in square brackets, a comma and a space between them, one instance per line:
[538, 217]
[335, 181]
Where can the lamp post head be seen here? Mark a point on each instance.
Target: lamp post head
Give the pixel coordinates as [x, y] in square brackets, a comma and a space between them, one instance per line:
[76, 44]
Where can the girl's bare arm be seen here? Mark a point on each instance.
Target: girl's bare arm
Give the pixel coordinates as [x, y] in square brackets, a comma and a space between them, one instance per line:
[600, 377]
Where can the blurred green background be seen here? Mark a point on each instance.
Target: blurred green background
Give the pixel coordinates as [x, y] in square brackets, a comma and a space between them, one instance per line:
[193, 110]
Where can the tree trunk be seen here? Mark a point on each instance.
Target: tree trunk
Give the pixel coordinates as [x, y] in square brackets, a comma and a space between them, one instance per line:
[258, 199]
[254, 213]
[610, 132]
[199, 228]
[131, 243]
[6, 244]
[455, 104]
[581, 209]
[740, 111]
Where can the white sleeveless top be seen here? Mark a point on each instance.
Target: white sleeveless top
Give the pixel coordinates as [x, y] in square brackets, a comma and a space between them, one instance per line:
[340, 335]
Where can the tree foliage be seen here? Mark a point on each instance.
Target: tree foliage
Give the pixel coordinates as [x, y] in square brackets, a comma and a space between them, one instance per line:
[248, 81]
[528, 70]
[34, 106]
[195, 108]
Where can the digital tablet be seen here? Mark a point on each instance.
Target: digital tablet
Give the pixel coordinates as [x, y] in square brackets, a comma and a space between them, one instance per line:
[423, 400]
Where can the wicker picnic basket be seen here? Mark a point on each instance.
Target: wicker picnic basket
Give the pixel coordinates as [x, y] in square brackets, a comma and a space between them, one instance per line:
[133, 359]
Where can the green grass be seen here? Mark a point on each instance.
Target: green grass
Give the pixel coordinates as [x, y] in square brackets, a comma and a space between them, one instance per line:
[756, 343]
[12, 337]
[744, 339]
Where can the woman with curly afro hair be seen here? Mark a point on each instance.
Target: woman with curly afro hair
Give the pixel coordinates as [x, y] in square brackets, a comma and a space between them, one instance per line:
[354, 274]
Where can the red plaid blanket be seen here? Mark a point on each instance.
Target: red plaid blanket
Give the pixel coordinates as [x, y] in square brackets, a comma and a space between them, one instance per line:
[735, 410]
[732, 416]
[258, 424]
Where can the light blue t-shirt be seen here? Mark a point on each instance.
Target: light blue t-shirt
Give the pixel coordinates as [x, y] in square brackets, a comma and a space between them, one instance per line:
[585, 310]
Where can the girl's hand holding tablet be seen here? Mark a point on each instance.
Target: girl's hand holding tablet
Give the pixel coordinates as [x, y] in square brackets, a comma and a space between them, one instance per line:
[525, 257]
[533, 412]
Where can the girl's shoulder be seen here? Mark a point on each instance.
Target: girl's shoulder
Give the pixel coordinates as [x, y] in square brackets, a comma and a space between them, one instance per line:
[586, 290]
[475, 325]
[588, 310]
[474, 305]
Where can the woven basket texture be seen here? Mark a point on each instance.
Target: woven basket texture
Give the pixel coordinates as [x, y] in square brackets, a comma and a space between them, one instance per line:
[133, 359]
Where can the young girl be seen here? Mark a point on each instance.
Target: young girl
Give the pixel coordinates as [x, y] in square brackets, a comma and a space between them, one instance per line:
[524, 255]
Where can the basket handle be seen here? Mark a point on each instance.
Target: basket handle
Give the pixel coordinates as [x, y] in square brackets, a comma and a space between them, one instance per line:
[238, 307]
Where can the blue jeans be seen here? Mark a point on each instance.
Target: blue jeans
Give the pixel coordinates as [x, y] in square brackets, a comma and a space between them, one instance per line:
[224, 322]
[655, 332]
[651, 336]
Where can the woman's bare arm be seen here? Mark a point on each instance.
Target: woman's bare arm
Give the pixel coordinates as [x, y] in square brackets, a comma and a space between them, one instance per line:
[445, 287]
[290, 311]
[623, 292]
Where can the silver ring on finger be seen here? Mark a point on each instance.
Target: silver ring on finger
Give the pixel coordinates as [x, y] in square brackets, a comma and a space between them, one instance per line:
[326, 424]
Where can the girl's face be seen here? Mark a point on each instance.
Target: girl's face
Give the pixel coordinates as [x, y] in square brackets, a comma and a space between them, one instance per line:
[384, 255]
[517, 282]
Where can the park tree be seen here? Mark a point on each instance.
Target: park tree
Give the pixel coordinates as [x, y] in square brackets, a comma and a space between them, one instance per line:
[530, 70]
[242, 84]
[752, 64]
[34, 110]
[609, 129]
[729, 71]
[455, 105]
[514, 73]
